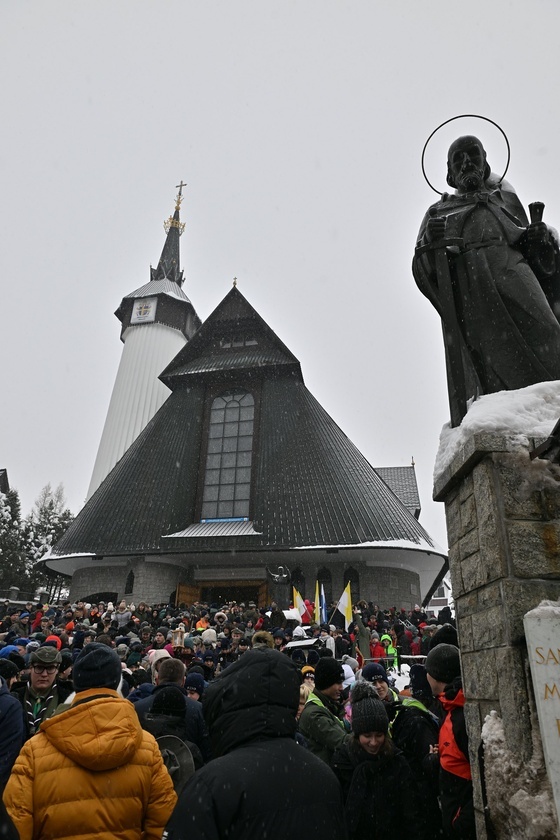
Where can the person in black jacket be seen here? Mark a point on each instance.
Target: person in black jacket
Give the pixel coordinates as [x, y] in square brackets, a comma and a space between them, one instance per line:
[261, 784]
[414, 731]
[171, 672]
[377, 783]
[443, 668]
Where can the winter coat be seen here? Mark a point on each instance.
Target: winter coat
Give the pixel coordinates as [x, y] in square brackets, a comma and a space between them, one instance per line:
[12, 732]
[320, 725]
[91, 772]
[195, 728]
[379, 792]
[455, 780]
[414, 730]
[363, 635]
[122, 617]
[60, 691]
[390, 652]
[377, 651]
[263, 784]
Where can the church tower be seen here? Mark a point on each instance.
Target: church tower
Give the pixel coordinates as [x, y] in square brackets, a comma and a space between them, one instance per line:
[157, 321]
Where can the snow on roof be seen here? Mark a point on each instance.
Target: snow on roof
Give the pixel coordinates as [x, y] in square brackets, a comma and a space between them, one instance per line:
[156, 287]
[422, 545]
[528, 412]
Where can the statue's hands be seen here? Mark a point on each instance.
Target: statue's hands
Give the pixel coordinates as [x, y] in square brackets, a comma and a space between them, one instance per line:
[435, 228]
[537, 234]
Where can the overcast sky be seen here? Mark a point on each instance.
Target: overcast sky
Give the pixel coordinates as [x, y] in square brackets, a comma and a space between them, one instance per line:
[298, 126]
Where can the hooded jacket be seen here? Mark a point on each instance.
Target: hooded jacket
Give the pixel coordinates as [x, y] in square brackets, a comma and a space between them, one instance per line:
[91, 772]
[455, 780]
[262, 782]
[12, 733]
[321, 725]
[379, 792]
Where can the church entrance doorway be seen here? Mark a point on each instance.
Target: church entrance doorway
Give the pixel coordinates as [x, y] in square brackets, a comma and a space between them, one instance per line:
[219, 592]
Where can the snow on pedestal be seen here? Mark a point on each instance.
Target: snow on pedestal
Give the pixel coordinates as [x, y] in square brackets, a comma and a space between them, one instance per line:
[542, 629]
[527, 412]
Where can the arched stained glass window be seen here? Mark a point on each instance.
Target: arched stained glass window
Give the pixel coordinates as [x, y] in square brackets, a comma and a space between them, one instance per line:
[227, 481]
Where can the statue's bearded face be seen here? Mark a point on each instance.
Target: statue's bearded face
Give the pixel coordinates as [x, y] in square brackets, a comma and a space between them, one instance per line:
[467, 164]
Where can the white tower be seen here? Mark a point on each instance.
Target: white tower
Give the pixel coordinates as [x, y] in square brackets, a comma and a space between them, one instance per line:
[157, 320]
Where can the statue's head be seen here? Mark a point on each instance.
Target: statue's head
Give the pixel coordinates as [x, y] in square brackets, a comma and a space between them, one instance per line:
[467, 167]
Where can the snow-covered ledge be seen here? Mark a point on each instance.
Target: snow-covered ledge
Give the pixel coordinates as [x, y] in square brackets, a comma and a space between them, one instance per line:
[508, 421]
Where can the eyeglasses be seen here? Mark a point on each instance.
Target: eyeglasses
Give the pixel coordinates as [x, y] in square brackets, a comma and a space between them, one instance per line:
[44, 669]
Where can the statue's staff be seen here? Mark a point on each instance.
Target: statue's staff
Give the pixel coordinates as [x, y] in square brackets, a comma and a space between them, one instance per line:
[453, 336]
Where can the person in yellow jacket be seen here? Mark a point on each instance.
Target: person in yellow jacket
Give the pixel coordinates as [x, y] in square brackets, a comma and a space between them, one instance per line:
[91, 771]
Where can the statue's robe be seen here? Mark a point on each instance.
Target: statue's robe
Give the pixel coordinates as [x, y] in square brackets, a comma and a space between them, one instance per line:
[506, 291]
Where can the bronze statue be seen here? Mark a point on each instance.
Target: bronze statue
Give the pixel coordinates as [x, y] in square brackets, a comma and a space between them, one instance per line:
[493, 277]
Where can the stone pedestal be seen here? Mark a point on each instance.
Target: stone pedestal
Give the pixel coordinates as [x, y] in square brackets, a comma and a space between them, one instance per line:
[503, 523]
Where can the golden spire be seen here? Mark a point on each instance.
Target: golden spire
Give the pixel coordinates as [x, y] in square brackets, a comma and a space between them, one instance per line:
[173, 221]
[179, 198]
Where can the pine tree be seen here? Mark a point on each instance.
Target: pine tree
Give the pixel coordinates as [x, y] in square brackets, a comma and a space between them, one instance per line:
[14, 562]
[44, 526]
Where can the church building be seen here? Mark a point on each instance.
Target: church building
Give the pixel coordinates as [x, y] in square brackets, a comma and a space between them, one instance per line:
[233, 471]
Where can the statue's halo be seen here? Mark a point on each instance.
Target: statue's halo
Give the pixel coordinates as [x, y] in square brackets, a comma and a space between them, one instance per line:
[462, 117]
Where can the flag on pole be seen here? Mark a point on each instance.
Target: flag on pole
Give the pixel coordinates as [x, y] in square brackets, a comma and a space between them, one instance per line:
[323, 610]
[298, 602]
[345, 606]
[317, 618]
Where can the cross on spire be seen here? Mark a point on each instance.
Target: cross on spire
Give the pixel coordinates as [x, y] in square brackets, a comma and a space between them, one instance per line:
[180, 194]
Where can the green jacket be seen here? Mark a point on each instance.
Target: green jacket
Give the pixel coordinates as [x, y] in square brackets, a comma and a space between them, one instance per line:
[391, 653]
[322, 729]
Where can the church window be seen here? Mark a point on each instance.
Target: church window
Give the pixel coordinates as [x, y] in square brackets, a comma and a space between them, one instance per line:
[352, 575]
[227, 481]
[237, 340]
[324, 577]
[129, 585]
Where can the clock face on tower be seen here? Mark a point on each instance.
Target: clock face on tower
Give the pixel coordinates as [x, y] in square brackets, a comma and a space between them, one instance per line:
[144, 311]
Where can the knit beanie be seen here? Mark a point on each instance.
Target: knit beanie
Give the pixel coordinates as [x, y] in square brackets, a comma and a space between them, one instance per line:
[447, 634]
[443, 663]
[419, 685]
[195, 682]
[328, 672]
[368, 711]
[55, 641]
[133, 658]
[349, 660]
[374, 670]
[97, 666]
[8, 669]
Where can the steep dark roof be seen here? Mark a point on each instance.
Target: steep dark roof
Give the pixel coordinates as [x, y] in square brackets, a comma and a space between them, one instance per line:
[233, 337]
[4, 483]
[402, 481]
[311, 486]
[169, 267]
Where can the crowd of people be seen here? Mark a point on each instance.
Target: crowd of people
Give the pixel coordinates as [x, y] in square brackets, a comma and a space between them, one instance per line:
[230, 721]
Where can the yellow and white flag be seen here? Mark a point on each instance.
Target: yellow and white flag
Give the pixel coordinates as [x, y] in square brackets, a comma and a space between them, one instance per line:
[317, 616]
[298, 603]
[345, 606]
